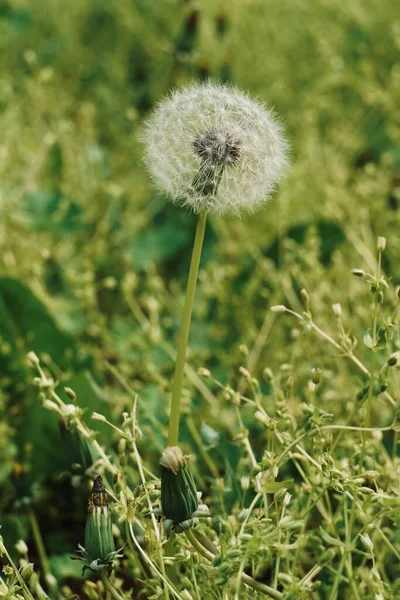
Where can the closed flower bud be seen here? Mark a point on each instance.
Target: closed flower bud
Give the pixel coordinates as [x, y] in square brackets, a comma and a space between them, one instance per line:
[27, 571]
[316, 375]
[337, 309]
[21, 547]
[358, 272]
[394, 360]
[381, 244]
[99, 540]
[178, 491]
[278, 308]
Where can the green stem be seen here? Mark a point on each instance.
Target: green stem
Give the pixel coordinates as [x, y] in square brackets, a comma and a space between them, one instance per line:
[253, 583]
[173, 430]
[50, 581]
[27, 592]
[110, 588]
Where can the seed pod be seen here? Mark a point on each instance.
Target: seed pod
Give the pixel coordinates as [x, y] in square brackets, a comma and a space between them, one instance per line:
[99, 540]
[178, 490]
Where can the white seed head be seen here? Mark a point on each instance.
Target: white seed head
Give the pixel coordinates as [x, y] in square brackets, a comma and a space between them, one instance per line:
[211, 147]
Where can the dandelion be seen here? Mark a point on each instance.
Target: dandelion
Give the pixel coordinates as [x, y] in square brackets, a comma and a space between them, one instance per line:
[99, 552]
[179, 497]
[211, 147]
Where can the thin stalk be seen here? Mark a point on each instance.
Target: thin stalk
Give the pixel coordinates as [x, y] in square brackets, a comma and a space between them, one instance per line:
[153, 567]
[173, 430]
[50, 580]
[202, 449]
[110, 588]
[26, 590]
[255, 585]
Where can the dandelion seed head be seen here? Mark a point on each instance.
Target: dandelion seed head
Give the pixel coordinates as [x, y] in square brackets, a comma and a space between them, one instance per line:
[210, 146]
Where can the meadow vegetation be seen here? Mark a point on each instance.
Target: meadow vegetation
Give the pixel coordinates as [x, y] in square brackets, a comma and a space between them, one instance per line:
[291, 394]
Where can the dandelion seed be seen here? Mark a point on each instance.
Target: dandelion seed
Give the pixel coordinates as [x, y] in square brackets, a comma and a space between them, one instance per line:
[210, 147]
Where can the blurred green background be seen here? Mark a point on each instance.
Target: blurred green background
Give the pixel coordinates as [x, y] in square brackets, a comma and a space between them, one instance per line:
[93, 262]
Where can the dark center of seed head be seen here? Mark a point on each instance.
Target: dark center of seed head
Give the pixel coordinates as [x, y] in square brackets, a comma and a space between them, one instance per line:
[219, 149]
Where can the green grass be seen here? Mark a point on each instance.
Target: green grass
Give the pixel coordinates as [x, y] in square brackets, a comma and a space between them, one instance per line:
[290, 416]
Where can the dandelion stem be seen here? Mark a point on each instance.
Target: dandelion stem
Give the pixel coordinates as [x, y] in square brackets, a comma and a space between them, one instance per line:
[173, 431]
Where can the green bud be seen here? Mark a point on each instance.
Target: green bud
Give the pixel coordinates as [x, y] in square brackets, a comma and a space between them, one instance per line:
[268, 375]
[358, 272]
[316, 376]
[305, 297]
[381, 244]
[99, 540]
[77, 449]
[178, 490]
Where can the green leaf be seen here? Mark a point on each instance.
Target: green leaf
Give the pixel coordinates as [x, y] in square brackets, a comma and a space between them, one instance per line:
[62, 567]
[52, 211]
[330, 234]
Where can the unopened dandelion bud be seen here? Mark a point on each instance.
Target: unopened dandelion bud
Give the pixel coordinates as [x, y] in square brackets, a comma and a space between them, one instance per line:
[381, 244]
[179, 498]
[99, 540]
[337, 310]
[358, 272]
[278, 308]
[380, 297]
